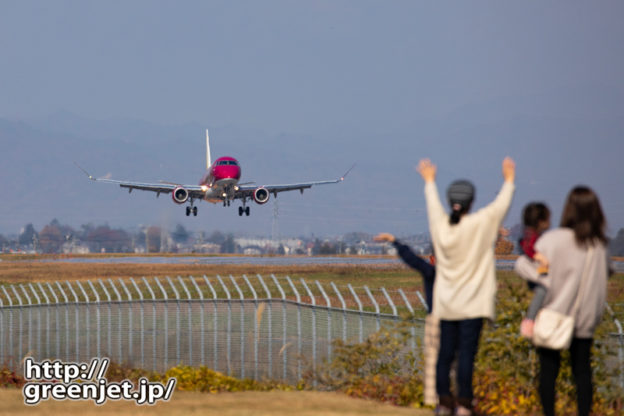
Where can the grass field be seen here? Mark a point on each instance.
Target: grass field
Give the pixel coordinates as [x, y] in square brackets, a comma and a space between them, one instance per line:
[276, 403]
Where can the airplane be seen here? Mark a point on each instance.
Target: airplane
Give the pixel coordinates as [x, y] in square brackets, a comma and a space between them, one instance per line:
[220, 183]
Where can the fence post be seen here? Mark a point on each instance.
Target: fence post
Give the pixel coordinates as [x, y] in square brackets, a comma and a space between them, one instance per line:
[58, 329]
[178, 326]
[284, 326]
[190, 321]
[119, 319]
[411, 311]
[2, 358]
[270, 324]
[620, 336]
[10, 323]
[153, 295]
[201, 322]
[242, 327]
[76, 320]
[357, 300]
[130, 319]
[87, 320]
[256, 335]
[110, 320]
[29, 318]
[166, 321]
[229, 327]
[142, 317]
[422, 299]
[344, 311]
[97, 318]
[214, 323]
[58, 285]
[21, 327]
[294, 289]
[313, 300]
[389, 299]
[372, 298]
[39, 352]
[329, 322]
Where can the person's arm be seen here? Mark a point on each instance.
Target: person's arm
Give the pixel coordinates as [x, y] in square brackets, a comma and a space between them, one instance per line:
[498, 208]
[435, 209]
[410, 258]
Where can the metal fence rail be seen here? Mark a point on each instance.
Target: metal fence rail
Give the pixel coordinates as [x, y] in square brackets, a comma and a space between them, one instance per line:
[248, 327]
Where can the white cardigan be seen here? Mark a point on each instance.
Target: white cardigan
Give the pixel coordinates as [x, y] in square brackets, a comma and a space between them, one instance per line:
[465, 283]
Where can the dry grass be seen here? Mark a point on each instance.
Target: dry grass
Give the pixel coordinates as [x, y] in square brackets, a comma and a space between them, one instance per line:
[275, 403]
[26, 271]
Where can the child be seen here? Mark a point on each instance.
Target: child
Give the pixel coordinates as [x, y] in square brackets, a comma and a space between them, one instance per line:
[536, 220]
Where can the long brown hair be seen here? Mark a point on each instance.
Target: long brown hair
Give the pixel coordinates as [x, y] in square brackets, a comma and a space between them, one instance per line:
[583, 214]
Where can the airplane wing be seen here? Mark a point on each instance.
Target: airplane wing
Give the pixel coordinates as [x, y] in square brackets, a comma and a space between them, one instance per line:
[246, 191]
[194, 191]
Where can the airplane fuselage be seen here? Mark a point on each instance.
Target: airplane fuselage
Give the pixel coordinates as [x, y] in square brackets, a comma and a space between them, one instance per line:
[221, 179]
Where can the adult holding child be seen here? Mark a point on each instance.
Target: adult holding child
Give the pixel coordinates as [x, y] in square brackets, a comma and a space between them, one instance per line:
[576, 284]
[465, 284]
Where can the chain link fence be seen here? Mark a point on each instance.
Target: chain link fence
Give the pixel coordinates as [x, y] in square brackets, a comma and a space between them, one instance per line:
[248, 327]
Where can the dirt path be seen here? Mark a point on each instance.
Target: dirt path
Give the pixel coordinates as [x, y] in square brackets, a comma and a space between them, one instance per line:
[225, 404]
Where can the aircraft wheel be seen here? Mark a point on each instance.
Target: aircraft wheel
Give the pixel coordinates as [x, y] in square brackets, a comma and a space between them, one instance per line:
[194, 211]
[247, 211]
[188, 211]
[240, 211]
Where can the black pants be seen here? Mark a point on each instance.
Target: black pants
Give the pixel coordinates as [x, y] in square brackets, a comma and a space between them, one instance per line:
[461, 337]
[580, 351]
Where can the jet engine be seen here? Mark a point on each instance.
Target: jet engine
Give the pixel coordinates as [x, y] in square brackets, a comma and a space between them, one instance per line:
[261, 196]
[179, 195]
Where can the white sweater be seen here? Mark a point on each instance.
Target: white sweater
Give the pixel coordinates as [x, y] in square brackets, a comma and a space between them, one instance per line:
[465, 283]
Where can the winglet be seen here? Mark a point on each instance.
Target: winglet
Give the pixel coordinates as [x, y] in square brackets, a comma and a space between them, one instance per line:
[208, 158]
[85, 172]
[342, 178]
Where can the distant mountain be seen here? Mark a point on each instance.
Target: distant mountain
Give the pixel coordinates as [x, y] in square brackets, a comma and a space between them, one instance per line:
[555, 146]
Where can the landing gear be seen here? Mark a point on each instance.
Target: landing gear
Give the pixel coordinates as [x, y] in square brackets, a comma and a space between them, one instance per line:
[191, 208]
[247, 211]
[242, 210]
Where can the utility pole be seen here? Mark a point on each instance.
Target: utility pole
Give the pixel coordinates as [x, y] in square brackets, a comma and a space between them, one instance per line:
[275, 224]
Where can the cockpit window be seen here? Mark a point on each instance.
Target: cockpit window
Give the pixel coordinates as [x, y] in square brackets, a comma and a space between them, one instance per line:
[227, 163]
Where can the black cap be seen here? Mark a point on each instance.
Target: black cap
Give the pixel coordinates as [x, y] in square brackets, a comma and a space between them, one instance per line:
[460, 192]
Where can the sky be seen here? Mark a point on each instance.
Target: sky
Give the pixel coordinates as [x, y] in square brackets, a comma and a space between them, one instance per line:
[367, 72]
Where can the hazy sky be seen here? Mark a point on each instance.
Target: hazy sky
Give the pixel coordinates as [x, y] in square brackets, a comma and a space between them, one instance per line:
[315, 68]
[297, 66]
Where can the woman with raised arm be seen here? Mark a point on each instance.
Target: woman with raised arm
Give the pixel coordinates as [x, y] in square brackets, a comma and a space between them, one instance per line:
[465, 284]
[577, 268]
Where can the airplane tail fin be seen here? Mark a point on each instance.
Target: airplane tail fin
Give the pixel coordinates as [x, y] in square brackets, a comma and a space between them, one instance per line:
[208, 159]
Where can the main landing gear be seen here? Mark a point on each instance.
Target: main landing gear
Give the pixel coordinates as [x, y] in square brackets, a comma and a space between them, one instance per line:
[190, 209]
[243, 209]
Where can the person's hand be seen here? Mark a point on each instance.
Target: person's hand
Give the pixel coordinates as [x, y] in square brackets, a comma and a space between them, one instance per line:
[526, 328]
[384, 237]
[542, 261]
[509, 169]
[427, 170]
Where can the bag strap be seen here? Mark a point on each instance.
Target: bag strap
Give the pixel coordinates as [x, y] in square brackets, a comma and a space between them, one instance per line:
[584, 278]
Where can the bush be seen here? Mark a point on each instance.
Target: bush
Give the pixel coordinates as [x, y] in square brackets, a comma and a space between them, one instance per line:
[506, 366]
